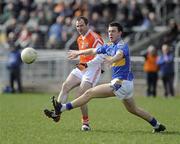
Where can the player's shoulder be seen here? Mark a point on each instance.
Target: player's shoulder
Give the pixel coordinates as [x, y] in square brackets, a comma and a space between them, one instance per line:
[94, 34]
[121, 43]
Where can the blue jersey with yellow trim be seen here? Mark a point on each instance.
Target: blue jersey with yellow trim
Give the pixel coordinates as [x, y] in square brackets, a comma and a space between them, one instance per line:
[120, 69]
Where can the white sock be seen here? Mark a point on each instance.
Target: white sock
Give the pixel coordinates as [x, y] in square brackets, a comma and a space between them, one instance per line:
[157, 125]
[63, 108]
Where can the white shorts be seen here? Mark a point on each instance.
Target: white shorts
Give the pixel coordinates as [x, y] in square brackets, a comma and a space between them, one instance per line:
[125, 91]
[90, 74]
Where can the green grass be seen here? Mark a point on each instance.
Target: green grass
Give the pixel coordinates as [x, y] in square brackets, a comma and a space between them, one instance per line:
[22, 122]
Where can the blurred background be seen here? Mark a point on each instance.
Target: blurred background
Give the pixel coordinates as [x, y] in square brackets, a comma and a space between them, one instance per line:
[49, 27]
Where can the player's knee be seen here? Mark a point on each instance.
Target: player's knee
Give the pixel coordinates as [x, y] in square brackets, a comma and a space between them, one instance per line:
[89, 93]
[65, 86]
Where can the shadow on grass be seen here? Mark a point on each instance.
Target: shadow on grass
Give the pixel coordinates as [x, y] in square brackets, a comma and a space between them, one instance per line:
[175, 133]
[122, 132]
[171, 133]
[108, 131]
[96, 131]
[134, 132]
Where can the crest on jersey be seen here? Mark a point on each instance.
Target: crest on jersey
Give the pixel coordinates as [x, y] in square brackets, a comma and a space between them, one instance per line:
[109, 43]
[85, 45]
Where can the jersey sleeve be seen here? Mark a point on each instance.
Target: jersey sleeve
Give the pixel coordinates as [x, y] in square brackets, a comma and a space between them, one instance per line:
[101, 49]
[97, 43]
[98, 59]
[124, 49]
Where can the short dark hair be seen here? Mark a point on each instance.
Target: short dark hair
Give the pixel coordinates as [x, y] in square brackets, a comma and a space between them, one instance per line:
[84, 19]
[116, 24]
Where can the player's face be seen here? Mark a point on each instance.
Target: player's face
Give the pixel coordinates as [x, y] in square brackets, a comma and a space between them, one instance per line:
[81, 27]
[114, 34]
[165, 49]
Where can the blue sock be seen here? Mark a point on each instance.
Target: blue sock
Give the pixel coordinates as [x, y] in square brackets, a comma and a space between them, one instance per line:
[153, 122]
[69, 106]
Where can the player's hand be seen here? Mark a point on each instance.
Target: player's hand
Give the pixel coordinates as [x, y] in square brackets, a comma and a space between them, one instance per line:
[108, 61]
[72, 54]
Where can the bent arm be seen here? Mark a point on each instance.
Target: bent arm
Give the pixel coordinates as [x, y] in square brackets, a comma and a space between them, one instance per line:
[119, 55]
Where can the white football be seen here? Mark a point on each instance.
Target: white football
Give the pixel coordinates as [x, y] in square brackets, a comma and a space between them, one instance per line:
[28, 55]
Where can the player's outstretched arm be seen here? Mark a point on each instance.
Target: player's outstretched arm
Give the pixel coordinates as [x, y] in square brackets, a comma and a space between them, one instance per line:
[72, 54]
[97, 60]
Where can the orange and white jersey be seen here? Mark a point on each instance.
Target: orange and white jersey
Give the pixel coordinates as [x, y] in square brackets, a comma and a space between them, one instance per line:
[90, 40]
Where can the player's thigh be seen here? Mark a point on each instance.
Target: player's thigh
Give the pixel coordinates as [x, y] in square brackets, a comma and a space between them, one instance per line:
[102, 91]
[72, 81]
[84, 86]
[92, 75]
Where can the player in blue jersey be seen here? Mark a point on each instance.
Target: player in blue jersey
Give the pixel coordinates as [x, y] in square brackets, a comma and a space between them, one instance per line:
[121, 85]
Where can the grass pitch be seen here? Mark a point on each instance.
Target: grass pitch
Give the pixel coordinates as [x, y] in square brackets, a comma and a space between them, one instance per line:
[22, 122]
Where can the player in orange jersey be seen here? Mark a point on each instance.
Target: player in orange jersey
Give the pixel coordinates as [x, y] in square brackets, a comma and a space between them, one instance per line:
[88, 71]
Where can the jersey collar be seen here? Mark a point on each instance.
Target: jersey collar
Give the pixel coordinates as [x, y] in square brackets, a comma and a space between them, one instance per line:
[117, 41]
[83, 37]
